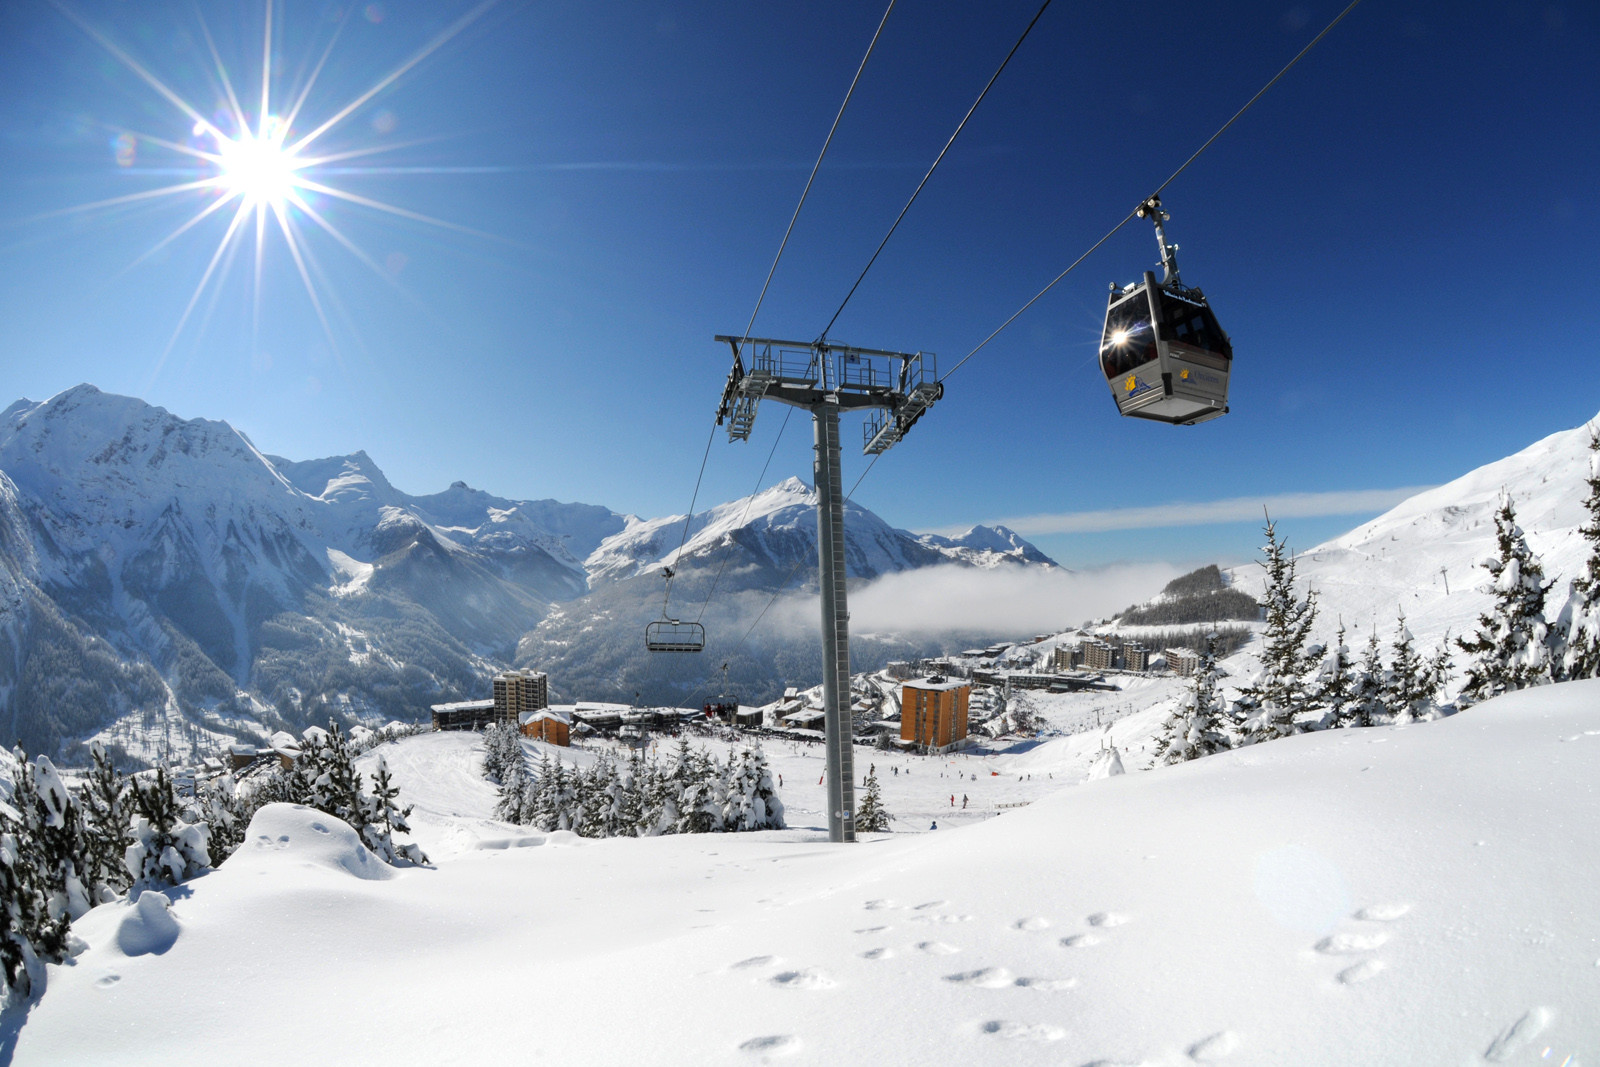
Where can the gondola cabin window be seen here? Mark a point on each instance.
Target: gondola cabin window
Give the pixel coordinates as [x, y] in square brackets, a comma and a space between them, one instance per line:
[1129, 341]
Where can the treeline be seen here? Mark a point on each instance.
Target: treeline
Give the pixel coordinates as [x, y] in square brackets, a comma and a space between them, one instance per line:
[1309, 687]
[64, 851]
[691, 793]
[1200, 596]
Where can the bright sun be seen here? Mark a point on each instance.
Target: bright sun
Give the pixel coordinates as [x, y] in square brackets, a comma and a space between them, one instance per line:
[257, 167]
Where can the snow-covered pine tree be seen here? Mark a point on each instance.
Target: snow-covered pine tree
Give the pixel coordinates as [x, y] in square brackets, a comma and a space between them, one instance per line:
[766, 805]
[384, 817]
[629, 802]
[1368, 707]
[871, 817]
[505, 765]
[1580, 656]
[44, 921]
[166, 850]
[539, 806]
[227, 814]
[1406, 687]
[695, 791]
[1197, 727]
[1335, 684]
[1436, 674]
[21, 908]
[106, 815]
[1510, 651]
[61, 843]
[1269, 707]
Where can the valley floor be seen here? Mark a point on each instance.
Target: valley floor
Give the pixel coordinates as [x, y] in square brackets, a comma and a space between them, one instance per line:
[1406, 895]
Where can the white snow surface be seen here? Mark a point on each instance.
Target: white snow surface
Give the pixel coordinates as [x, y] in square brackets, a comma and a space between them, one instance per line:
[1424, 555]
[1404, 895]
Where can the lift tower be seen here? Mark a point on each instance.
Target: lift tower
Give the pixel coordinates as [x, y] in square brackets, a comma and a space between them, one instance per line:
[825, 379]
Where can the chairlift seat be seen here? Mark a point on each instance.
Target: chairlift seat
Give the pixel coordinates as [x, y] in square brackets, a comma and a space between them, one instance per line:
[670, 635]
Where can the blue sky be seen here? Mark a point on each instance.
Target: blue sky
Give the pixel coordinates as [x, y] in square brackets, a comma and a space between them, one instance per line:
[1398, 238]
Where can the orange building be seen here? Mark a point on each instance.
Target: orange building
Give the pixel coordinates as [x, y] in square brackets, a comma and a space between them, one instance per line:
[933, 712]
[551, 726]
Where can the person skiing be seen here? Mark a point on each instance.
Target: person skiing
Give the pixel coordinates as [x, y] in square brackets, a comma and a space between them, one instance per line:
[935, 825]
[963, 802]
[952, 800]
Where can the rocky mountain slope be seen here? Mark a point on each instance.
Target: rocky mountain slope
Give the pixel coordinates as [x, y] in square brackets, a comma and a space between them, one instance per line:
[167, 587]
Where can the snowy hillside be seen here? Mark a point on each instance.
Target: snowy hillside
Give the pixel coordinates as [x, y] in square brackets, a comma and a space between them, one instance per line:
[1423, 556]
[1399, 895]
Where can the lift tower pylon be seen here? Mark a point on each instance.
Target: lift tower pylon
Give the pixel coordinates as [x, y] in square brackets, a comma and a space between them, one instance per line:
[825, 379]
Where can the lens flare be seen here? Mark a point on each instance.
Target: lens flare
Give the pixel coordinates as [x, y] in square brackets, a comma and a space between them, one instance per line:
[267, 180]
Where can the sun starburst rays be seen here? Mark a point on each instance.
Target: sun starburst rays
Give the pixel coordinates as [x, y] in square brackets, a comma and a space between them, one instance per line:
[262, 169]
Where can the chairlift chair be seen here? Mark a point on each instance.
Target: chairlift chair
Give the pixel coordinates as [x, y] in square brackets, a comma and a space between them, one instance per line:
[670, 635]
[1162, 351]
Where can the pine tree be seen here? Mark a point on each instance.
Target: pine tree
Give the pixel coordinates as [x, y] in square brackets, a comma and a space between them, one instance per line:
[1405, 688]
[1368, 707]
[21, 908]
[44, 920]
[1336, 684]
[1268, 708]
[1581, 634]
[384, 817]
[166, 850]
[871, 817]
[1510, 649]
[226, 813]
[107, 815]
[1198, 726]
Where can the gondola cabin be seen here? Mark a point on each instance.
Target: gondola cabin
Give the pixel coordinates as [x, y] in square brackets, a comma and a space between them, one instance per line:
[1163, 353]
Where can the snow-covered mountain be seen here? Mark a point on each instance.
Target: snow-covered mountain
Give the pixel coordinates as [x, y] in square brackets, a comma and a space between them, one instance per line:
[165, 585]
[1424, 556]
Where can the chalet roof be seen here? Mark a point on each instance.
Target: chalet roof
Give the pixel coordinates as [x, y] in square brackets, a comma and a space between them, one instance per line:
[544, 713]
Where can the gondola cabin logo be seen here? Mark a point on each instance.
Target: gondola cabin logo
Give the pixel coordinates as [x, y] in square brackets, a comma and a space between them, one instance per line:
[1134, 386]
[1184, 374]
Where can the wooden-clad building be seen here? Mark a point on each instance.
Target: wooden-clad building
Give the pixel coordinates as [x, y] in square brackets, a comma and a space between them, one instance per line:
[546, 725]
[933, 712]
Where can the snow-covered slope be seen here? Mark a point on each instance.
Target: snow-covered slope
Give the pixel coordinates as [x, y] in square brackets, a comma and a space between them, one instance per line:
[1406, 895]
[1423, 556]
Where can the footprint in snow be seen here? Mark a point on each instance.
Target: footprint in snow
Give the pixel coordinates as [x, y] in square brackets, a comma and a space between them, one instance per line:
[873, 929]
[1382, 913]
[878, 905]
[941, 918]
[754, 962]
[877, 953]
[937, 948]
[932, 904]
[1107, 918]
[1030, 924]
[1046, 984]
[1079, 941]
[1519, 1035]
[986, 978]
[1213, 1048]
[806, 978]
[108, 980]
[771, 1045]
[1350, 944]
[1022, 1031]
[1360, 972]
